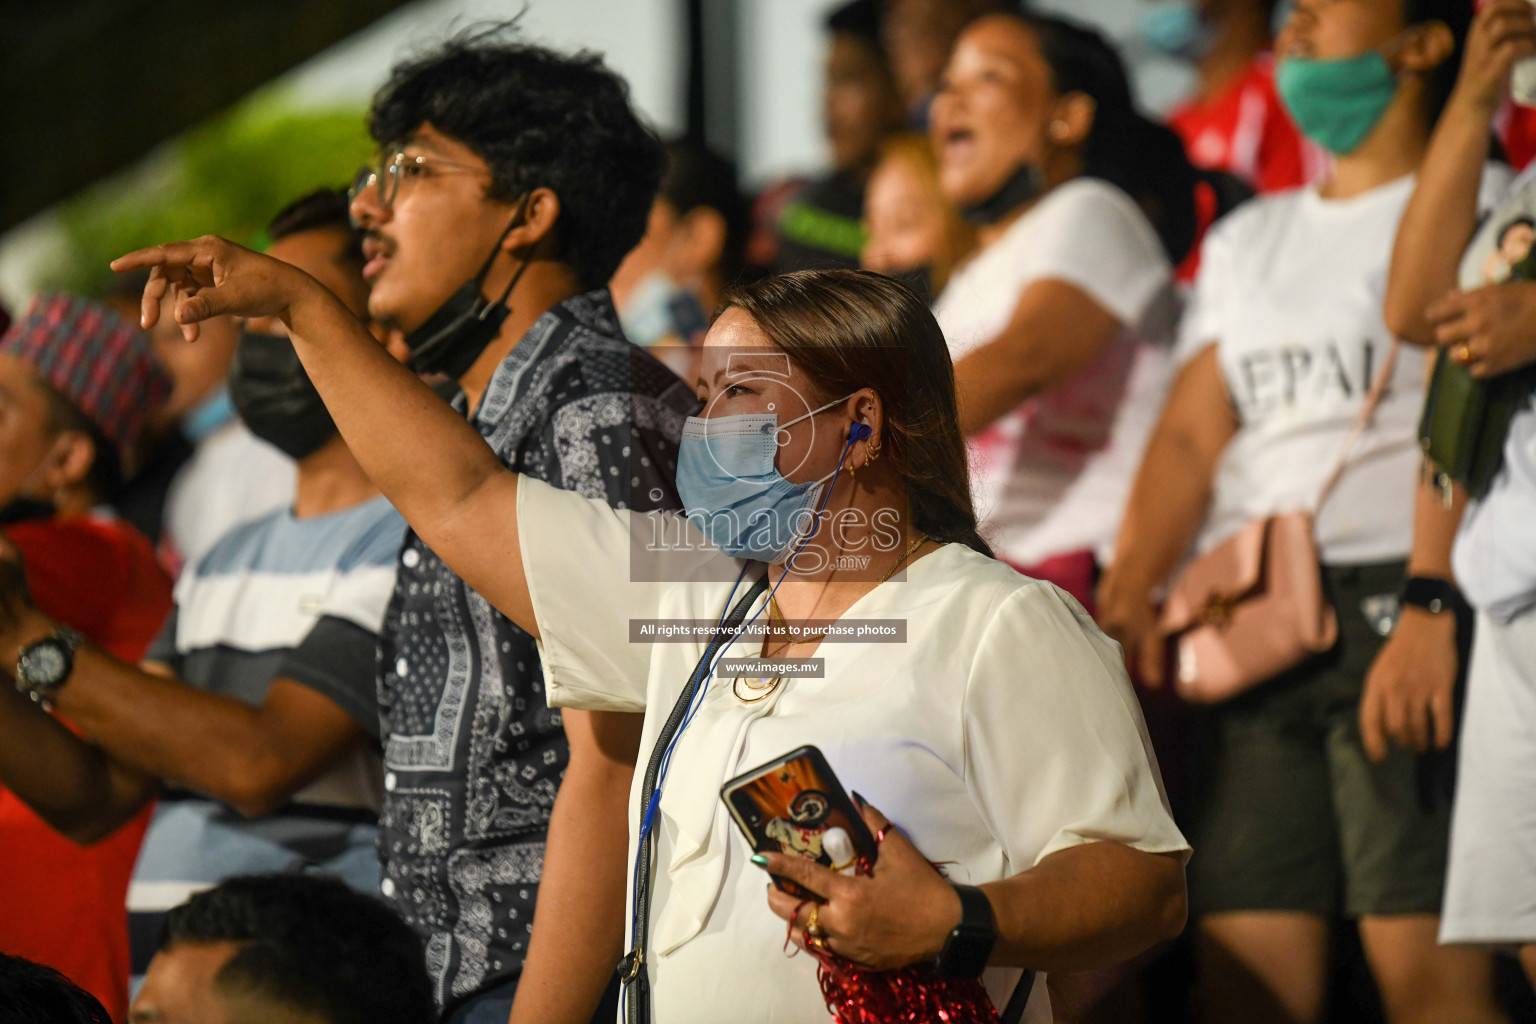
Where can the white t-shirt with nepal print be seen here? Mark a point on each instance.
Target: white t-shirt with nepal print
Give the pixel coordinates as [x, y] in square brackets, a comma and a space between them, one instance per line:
[1002, 730]
[1290, 291]
[1052, 476]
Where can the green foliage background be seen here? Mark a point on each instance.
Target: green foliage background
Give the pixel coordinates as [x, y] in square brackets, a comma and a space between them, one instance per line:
[227, 177]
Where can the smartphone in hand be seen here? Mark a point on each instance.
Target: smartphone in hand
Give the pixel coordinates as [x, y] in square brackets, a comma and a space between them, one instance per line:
[795, 805]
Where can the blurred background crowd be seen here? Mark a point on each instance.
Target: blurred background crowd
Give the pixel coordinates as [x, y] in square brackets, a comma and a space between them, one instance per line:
[1198, 264]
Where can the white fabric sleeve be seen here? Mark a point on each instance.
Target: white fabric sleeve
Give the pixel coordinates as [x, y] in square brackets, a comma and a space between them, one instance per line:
[1092, 236]
[1201, 323]
[576, 556]
[1056, 752]
[1497, 184]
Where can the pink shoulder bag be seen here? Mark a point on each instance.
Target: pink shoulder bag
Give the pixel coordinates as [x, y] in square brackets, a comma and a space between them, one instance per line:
[1253, 606]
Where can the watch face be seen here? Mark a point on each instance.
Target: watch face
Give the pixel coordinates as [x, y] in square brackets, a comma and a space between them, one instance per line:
[45, 665]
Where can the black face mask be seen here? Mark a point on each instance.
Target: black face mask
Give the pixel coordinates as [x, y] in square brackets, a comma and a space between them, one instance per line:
[453, 337]
[21, 509]
[918, 280]
[1022, 185]
[275, 398]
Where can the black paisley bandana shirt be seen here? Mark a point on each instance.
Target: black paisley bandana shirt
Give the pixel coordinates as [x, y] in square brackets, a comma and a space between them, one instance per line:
[472, 755]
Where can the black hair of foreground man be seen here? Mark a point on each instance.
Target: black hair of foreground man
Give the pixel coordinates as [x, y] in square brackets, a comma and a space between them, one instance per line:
[311, 944]
[33, 994]
[519, 106]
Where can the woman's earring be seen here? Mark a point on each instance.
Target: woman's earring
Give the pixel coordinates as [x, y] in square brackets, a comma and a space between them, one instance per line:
[871, 452]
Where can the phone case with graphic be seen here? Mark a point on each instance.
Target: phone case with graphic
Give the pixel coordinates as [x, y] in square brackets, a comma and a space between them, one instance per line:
[794, 804]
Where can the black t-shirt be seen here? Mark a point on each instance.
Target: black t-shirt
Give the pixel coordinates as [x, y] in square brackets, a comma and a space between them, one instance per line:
[142, 500]
[821, 227]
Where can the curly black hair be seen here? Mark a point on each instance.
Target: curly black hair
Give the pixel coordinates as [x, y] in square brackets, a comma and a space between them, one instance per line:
[311, 943]
[539, 119]
[30, 993]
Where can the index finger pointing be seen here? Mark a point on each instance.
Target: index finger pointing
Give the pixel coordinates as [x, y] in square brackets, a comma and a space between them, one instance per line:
[154, 256]
[168, 254]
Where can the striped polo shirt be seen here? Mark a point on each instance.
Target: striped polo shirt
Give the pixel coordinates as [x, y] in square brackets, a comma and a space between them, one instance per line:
[277, 598]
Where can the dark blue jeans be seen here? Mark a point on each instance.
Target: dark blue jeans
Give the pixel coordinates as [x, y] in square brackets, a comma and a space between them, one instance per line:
[494, 1006]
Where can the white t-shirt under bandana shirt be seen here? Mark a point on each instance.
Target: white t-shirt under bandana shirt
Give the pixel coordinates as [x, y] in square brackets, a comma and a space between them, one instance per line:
[1290, 291]
[1051, 477]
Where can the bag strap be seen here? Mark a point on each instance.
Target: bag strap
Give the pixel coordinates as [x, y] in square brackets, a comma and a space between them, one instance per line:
[1361, 421]
[632, 967]
[1014, 1011]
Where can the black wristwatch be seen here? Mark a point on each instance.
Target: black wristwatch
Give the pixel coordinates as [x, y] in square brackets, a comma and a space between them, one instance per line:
[43, 667]
[969, 946]
[1434, 596]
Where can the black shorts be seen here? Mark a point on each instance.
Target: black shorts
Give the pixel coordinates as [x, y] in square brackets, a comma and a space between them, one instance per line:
[1291, 814]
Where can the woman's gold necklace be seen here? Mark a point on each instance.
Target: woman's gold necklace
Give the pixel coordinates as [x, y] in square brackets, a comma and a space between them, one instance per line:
[765, 688]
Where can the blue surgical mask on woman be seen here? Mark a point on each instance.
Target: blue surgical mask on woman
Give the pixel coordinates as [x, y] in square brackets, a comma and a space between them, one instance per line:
[1177, 30]
[733, 492]
[1336, 103]
[207, 416]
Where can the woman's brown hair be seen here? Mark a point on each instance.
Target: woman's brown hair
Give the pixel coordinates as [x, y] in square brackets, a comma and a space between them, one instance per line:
[852, 329]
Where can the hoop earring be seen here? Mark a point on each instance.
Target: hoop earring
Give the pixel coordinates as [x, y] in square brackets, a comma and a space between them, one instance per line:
[871, 452]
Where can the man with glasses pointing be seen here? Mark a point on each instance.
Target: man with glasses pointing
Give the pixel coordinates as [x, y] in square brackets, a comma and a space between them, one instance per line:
[512, 182]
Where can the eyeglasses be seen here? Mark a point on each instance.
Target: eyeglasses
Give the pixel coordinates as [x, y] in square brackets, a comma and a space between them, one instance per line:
[387, 177]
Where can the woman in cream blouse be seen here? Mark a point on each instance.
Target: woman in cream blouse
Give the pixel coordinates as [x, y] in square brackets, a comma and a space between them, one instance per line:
[1001, 736]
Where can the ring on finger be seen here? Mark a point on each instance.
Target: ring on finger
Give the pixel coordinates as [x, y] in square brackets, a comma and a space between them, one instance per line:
[1463, 353]
[813, 925]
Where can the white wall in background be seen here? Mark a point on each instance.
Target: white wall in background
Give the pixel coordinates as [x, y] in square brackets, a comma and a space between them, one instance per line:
[782, 58]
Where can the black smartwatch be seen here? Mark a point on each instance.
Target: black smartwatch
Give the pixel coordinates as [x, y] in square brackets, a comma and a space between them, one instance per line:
[969, 946]
[43, 667]
[1434, 596]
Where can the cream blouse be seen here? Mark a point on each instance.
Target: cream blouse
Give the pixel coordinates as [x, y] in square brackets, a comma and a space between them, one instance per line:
[1002, 730]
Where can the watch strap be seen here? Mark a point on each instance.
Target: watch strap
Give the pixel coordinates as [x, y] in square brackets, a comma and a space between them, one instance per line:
[969, 946]
[1434, 596]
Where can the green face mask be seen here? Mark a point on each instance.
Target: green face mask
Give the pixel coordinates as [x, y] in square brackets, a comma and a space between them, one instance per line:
[1336, 103]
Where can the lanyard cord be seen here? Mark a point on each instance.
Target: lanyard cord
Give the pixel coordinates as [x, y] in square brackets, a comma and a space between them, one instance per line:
[666, 761]
[633, 963]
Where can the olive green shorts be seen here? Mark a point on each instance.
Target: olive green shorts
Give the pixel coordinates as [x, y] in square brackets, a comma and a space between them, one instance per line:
[1291, 814]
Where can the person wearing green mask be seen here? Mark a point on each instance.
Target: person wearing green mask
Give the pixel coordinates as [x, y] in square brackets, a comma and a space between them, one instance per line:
[1296, 824]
